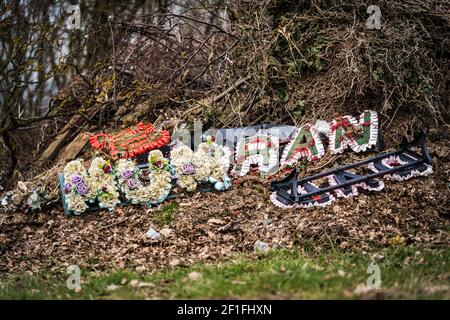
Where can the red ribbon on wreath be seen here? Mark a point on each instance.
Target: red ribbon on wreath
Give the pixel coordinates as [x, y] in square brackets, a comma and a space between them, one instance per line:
[132, 141]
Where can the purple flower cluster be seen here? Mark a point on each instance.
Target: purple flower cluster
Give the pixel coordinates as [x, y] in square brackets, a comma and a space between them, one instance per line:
[188, 168]
[82, 189]
[132, 183]
[80, 186]
[127, 176]
[77, 179]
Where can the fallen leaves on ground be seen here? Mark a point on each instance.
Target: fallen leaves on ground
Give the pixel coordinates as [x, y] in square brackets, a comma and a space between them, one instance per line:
[212, 226]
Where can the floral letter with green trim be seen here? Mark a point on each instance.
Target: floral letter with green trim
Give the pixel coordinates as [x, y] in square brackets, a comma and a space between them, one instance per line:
[346, 131]
[259, 149]
[306, 144]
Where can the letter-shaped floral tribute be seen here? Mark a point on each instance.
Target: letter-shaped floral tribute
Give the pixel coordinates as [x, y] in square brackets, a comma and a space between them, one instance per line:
[260, 149]
[76, 187]
[346, 131]
[82, 188]
[209, 164]
[395, 161]
[102, 183]
[306, 144]
[159, 176]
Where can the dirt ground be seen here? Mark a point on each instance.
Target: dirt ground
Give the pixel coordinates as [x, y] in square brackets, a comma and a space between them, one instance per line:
[212, 226]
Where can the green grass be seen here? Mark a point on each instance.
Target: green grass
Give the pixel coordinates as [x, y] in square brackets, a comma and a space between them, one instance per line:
[165, 215]
[406, 272]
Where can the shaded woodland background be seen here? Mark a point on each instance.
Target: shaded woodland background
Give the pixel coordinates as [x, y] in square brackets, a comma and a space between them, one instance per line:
[226, 62]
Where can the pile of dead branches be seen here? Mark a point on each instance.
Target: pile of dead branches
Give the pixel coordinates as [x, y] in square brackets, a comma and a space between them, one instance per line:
[236, 63]
[318, 59]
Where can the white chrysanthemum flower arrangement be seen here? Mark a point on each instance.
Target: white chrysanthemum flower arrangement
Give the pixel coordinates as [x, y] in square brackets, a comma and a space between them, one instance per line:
[76, 187]
[128, 178]
[209, 164]
[83, 187]
[159, 180]
[102, 183]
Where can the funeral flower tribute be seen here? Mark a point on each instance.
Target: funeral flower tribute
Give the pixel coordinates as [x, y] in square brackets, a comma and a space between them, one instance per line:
[158, 174]
[105, 185]
[102, 183]
[83, 187]
[76, 187]
[209, 164]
